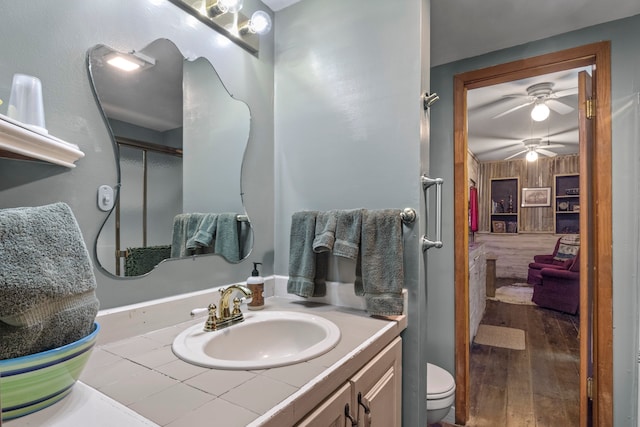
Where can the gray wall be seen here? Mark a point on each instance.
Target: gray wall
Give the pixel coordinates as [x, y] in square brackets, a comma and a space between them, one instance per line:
[350, 132]
[50, 40]
[624, 35]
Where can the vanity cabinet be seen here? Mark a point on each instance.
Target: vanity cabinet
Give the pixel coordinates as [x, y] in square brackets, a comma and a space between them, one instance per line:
[567, 203]
[504, 205]
[477, 287]
[373, 396]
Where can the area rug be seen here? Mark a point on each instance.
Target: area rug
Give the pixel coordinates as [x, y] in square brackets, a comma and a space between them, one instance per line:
[518, 293]
[499, 336]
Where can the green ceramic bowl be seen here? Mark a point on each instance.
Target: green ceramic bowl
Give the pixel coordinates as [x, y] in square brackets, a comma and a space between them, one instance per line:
[33, 382]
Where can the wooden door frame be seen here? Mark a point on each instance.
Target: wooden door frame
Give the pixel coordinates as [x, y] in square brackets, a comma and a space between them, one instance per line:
[599, 56]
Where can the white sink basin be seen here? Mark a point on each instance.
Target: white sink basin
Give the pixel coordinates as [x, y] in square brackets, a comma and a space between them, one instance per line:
[266, 339]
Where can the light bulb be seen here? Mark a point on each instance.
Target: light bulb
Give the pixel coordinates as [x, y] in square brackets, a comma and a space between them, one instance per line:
[540, 112]
[123, 63]
[532, 156]
[260, 22]
[231, 6]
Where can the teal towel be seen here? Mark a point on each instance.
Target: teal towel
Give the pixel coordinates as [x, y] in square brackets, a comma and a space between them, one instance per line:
[307, 269]
[47, 285]
[380, 269]
[325, 234]
[185, 226]
[348, 230]
[227, 238]
[205, 233]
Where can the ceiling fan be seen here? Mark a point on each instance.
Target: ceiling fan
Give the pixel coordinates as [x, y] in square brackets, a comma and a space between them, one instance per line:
[542, 95]
[533, 147]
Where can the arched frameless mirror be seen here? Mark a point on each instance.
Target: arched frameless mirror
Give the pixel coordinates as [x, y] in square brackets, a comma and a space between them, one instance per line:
[179, 139]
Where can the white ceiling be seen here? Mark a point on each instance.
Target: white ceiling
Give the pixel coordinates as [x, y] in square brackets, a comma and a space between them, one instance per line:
[493, 138]
[277, 5]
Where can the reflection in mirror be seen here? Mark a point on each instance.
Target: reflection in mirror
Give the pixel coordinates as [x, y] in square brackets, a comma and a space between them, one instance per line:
[179, 140]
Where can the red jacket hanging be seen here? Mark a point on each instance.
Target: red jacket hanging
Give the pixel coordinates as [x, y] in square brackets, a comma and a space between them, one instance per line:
[473, 209]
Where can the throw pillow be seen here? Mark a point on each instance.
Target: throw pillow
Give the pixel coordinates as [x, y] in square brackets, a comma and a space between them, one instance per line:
[568, 248]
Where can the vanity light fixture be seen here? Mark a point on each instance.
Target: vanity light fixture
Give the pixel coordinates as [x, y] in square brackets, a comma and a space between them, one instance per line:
[224, 6]
[260, 23]
[540, 112]
[129, 61]
[225, 17]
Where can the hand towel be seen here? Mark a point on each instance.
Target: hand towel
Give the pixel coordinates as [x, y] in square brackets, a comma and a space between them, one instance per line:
[184, 226]
[205, 233]
[47, 286]
[348, 230]
[227, 239]
[325, 235]
[307, 269]
[380, 270]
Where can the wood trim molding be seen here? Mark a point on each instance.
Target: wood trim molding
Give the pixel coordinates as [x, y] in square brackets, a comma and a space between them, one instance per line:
[598, 55]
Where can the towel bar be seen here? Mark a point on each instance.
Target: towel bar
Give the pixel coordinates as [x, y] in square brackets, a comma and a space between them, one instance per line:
[242, 218]
[408, 215]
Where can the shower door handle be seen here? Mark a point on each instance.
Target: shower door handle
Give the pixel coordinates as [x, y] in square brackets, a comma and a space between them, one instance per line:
[426, 184]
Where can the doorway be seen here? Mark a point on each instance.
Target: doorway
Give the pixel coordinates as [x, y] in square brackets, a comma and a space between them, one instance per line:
[596, 387]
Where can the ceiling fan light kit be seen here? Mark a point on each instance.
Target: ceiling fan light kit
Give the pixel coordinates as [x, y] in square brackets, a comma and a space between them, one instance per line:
[544, 98]
[533, 147]
[540, 112]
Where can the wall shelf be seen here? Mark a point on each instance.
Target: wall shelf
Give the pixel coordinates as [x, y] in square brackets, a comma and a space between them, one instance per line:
[567, 203]
[504, 205]
[19, 142]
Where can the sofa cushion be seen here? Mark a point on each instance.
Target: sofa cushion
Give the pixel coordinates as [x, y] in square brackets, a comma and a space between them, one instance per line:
[567, 249]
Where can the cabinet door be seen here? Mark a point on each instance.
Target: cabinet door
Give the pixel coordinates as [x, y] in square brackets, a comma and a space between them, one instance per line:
[331, 413]
[379, 385]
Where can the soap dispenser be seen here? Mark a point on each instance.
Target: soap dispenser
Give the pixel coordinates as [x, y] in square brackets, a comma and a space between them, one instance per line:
[255, 283]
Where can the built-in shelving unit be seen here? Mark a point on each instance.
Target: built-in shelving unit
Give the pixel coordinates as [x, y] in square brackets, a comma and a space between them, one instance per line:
[504, 205]
[567, 203]
[19, 142]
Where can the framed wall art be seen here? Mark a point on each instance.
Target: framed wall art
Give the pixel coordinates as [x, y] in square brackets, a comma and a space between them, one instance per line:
[536, 196]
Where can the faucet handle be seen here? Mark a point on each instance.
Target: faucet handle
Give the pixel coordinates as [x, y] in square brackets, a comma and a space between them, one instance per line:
[236, 307]
[212, 321]
[197, 311]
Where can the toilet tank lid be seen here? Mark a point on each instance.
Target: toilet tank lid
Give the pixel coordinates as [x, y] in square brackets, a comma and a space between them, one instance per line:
[439, 381]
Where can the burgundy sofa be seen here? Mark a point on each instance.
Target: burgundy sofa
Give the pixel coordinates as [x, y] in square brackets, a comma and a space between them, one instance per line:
[556, 260]
[559, 289]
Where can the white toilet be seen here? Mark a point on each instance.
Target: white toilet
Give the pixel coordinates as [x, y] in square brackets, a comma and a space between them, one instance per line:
[441, 390]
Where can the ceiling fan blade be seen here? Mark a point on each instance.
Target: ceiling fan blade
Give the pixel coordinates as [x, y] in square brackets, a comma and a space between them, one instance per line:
[566, 92]
[546, 146]
[546, 152]
[515, 95]
[511, 110]
[516, 155]
[558, 106]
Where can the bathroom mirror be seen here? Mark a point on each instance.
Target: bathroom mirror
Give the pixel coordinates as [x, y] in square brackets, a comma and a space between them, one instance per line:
[179, 139]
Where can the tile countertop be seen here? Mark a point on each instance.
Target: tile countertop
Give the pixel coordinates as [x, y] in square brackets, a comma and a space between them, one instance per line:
[142, 373]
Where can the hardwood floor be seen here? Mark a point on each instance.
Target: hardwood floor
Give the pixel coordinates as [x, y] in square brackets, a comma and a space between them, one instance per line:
[538, 386]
